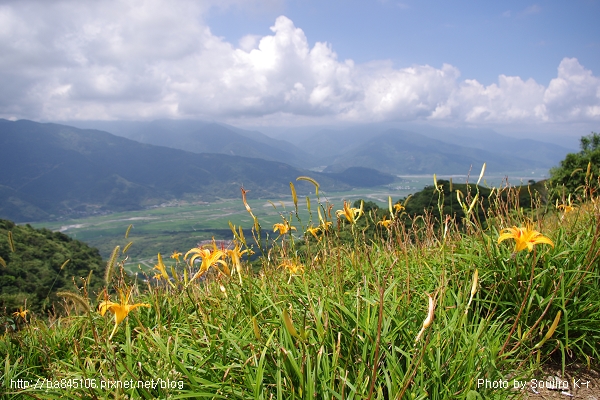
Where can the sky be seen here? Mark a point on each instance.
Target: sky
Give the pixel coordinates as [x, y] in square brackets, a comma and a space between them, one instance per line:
[509, 66]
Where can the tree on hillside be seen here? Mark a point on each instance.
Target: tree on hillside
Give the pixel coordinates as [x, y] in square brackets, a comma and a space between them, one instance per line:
[572, 174]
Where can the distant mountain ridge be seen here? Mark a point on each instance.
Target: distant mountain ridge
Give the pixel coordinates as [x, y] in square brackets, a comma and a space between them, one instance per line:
[49, 170]
[378, 146]
[397, 151]
[205, 137]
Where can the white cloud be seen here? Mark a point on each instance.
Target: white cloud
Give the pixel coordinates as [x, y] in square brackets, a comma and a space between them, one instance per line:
[574, 94]
[138, 59]
[533, 9]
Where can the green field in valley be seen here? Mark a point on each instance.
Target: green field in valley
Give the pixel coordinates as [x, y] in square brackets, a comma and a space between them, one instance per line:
[179, 226]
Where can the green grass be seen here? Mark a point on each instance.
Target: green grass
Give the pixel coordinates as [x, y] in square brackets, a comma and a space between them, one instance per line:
[344, 327]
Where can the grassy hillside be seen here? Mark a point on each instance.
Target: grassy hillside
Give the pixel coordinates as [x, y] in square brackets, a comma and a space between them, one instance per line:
[423, 309]
[38, 263]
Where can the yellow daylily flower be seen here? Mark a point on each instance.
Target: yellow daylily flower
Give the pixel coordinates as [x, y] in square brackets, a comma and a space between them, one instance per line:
[283, 228]
[209, 258]
[399, 207]
[385, 222]
[121, 310]
[21, 313]
[176, 255]
[352, 214]
[293, 267]
[314, 231]
[525, 238]
[324, 227]
[235, 255]
[566, 208]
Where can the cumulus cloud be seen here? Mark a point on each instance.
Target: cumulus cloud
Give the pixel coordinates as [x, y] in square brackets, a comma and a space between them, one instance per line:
[144, 59]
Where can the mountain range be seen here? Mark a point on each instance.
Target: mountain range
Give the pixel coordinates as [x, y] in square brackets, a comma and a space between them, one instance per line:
[388, 149]
[205, 137]
[52, 170]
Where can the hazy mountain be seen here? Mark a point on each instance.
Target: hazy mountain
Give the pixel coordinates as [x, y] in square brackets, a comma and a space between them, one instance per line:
[328, 143]
[337, 147]
[50, 170]
[543, 154]
[434, 149]
[403, 152]
[205, 137]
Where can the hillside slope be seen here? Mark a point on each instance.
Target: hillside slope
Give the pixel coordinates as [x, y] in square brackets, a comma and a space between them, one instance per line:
[33, 271]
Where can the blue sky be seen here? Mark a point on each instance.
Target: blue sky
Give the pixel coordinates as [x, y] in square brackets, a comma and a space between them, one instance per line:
[482, 38]
[509, 66]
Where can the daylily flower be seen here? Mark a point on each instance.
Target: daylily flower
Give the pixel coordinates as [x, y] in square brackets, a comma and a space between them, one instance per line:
[566, 208]
[283, 228]
[293, 267]
[325, 226]
[121, 310]
[352, 214]
[314, 231]
[385, 222]
[209, 257]
[21, 313]
[176, 255]
[400, 207]
[525, 238]
[235, 255]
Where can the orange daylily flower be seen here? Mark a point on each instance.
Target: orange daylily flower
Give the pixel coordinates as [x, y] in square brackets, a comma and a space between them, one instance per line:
[283, 228]
[352, 214]
[567, 208]
[385, 222]
[235, 255]
[209, 258]
[292, 266]
[21, 313]
[525, 238]
[119, 309]
[314, 231]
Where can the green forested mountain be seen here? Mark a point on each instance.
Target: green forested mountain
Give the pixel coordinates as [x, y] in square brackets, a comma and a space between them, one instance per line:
[50, 170]
[33, 270]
